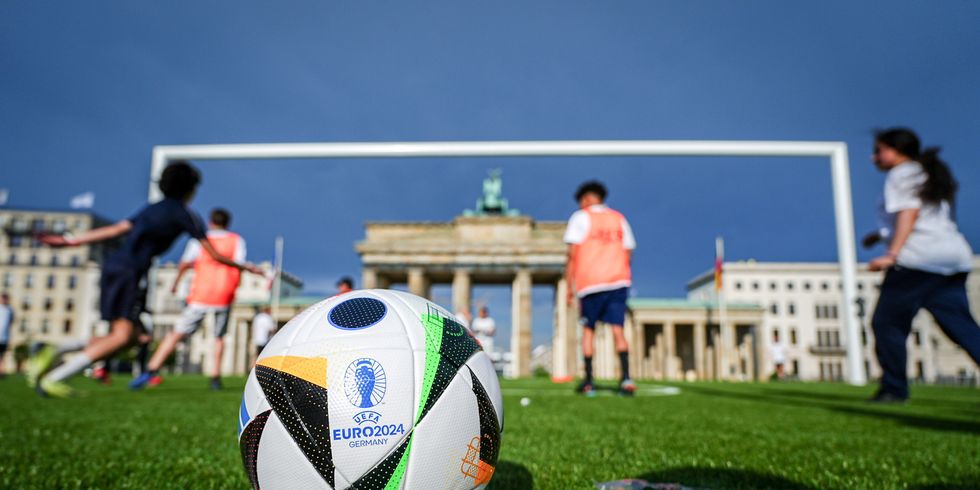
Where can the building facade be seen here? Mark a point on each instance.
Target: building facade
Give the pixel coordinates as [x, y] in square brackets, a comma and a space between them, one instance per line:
[801, 301]
[53, 291]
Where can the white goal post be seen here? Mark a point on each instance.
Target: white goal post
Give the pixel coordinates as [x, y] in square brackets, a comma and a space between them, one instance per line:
[835, 151]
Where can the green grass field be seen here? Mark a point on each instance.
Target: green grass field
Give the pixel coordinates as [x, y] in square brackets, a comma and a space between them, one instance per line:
[710, 435]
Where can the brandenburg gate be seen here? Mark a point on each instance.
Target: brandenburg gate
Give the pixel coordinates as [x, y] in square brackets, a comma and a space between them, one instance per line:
[490, 245]
[669, 339]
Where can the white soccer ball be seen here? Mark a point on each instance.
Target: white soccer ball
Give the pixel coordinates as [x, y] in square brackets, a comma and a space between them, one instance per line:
[371, 389]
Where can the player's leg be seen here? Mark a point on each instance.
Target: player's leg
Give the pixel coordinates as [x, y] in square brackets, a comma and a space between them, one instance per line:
[590, 306]
[121, 334]
[902, 294]
[221, 316]
[614, 314]
[950, 307]
[189, 321]
[3, 352]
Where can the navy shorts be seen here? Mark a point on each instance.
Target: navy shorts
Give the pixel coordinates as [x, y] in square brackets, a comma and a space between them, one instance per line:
[119, 294]
[604, 306]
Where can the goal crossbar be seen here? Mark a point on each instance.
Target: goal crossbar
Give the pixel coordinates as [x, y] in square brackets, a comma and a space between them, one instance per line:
[835, 151]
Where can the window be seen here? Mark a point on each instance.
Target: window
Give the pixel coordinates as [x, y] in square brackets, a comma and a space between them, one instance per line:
[37, 225]
[29, 281]
[738, 285]
[917, 337]
[15, 240]
[774, 308]
[72, 282]
[26, 304]
[74, 261]
[67, 326]
[58, 227]
[33, 259]
[775, 334]
[772, 286]
[12, 260]
[796, 367]
[54, 261]
[23, 325]
[791, 308]
[45, 324]
[51, 281]
[755, 286]
[792, 336]
[790, 285]
[825, 285]
[860, 286]
[864, 337]
[833, 311]
[70, 305]
[8, 279]
[47, 304]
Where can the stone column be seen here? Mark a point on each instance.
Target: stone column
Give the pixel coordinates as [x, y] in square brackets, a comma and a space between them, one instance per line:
[670, 352]
[418, 284]
[462, 291]
[520, 337]
[559, 337]
[699, 345]
[727, 351]
[369, 278]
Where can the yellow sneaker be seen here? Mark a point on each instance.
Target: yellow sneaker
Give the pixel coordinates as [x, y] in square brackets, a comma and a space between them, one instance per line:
[55, 389]
[39, 364]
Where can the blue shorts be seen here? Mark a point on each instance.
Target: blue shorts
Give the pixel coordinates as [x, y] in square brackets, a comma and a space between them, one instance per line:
[604, 306]
[119, 293]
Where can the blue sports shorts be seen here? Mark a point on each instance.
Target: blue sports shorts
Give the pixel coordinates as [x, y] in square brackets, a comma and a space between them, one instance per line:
[604, 306]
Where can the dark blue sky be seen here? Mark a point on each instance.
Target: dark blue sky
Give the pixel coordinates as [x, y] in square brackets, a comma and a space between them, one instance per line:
[87, 89]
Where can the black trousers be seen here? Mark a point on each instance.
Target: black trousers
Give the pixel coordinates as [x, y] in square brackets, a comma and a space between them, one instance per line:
[903, 293]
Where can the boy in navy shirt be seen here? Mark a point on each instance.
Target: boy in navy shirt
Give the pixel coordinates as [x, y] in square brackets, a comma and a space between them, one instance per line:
[149, 233]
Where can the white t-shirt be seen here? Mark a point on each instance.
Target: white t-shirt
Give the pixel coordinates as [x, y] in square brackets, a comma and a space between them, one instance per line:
[262, 327]
[778, 353]
[578, 227]
[935, 244]
[6, 318]
[484, 327]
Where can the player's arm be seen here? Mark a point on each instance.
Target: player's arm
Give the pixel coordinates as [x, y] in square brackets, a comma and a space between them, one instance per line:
[206, 245]
[181, 269]
[904, 222]
[571, 262]
[94, 235]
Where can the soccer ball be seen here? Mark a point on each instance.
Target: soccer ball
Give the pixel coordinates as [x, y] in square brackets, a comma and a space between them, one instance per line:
[371, 389]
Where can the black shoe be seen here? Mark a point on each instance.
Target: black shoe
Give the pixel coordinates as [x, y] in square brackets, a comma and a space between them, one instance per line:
[585, 388]
[885, 397]
[216, 384]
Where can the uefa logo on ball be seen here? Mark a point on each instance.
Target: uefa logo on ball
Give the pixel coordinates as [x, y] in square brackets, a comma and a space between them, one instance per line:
[365, 383]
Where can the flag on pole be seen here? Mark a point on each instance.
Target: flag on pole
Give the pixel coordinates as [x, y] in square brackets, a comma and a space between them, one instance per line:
[719, 261]
[4, 194]
[83, 201]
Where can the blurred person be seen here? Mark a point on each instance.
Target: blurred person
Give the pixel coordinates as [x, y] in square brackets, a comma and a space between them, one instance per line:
[149, 233]
[926, 261]
[777, 351]
[6, 320]
[212, 292]
[600, 247]
[345, 285]
[263, 327]
[484, 328]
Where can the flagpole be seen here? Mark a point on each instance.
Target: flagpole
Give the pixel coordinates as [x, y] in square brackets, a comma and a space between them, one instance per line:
[726, 340]
[277, 279]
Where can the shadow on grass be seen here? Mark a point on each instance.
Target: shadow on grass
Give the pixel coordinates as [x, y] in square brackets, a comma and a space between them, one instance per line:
[715, 478]
[823, 396]
[819, 401]
[963, 485]
[511, 475]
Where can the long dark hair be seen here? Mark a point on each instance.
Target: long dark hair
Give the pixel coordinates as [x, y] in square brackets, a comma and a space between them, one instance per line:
[940, 184]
